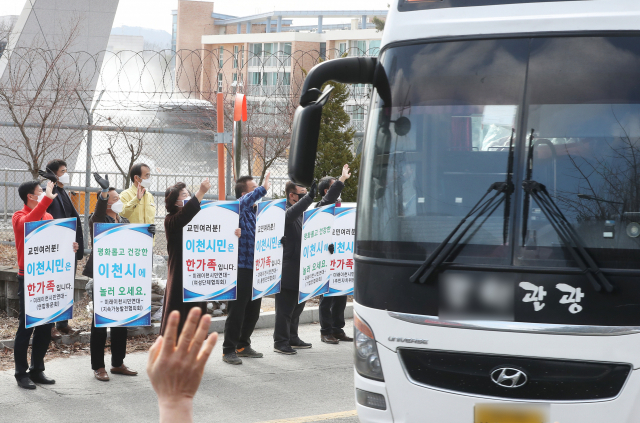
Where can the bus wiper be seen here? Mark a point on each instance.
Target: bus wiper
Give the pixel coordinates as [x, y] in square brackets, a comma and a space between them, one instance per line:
[567, 234]
[435, 259]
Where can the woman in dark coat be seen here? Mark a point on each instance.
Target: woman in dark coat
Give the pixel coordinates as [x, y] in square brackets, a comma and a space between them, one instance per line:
[179, 216]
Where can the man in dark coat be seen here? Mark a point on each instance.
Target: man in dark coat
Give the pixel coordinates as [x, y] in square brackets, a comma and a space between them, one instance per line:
[62, 207]
[285, 334]
[331, 309]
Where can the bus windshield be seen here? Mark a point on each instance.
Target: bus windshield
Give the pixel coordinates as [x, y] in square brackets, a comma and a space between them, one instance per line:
[569, 106]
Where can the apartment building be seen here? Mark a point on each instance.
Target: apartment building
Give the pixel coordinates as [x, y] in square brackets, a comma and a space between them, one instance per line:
[265, 56]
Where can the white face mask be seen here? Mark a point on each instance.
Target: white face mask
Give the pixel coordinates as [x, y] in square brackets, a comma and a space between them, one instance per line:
[117, 207]
[146, 183]
[185, 201]
[40, 197]
[64, 179]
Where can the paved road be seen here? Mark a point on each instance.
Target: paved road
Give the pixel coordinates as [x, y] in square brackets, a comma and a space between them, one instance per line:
[315, 385]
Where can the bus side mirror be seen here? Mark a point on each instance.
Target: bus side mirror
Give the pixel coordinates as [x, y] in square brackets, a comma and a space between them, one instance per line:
[306, 120]
[304, 138]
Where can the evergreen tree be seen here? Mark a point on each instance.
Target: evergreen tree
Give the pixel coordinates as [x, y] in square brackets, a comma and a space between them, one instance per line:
[335, 143]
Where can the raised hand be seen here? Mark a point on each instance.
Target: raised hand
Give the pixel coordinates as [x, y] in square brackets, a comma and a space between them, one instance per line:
[266, 183]
[48, 175]
[205, 185]
[345, 173]
[49, 192]
[141, 191]
[313, 190]
[103, 182]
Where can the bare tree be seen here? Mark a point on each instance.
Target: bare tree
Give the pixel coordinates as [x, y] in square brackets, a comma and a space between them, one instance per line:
[38, 94]
[124, 146]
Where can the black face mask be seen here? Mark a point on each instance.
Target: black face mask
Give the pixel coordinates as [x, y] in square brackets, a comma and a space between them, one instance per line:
[298, 195]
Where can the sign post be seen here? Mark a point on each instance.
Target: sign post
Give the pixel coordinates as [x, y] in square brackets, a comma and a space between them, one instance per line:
[210, 253]
[49, 276]
[314, 253]
[267, 256]
[122, 265]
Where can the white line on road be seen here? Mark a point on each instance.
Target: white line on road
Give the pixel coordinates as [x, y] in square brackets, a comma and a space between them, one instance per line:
[317, 418]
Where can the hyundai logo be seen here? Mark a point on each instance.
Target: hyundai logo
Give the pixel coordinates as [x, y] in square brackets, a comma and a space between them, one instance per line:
[508, 378]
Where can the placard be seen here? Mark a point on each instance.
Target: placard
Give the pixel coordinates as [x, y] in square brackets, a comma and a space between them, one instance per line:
[122, 265]
[267, 256]
[49, 271]
[343, 237]
[314, 252]
[210, 253]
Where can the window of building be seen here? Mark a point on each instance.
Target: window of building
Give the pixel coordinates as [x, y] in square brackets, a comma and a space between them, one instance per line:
[220, 82]
[374, 47]
[235, 56]
[342, 49]
[221, 56]
[323, 51]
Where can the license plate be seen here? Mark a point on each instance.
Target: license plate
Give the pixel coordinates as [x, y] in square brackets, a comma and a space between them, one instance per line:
[493, 413]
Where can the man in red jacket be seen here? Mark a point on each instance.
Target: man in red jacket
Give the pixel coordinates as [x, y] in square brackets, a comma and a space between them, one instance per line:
[34, 209]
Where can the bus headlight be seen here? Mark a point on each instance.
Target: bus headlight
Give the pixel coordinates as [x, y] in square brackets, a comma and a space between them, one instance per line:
[366, 358]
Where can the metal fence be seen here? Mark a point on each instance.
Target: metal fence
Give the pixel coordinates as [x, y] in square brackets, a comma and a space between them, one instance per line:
[144, 112]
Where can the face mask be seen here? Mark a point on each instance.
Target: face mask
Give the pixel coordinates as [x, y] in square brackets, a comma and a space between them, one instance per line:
[64, 179]
[185, 201]
[40, 197]
[146, 183]
[117, 207]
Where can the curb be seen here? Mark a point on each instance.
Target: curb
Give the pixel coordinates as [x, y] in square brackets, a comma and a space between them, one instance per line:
[266, 320]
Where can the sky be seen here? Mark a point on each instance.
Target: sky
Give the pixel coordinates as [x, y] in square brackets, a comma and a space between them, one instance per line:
[156, 14]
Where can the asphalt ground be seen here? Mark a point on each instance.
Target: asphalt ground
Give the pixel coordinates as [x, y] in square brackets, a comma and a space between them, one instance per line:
[315, 385]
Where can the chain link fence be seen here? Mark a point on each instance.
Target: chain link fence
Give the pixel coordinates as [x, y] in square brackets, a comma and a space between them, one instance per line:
[150, 107]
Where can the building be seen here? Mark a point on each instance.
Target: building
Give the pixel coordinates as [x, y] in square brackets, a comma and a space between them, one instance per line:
[118, 43]
[265, 56]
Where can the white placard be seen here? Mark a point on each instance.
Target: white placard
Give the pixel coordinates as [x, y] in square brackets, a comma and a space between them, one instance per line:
[267, 255]
[341, 265]
[49, 271]
[210, 253]
[122, 265]
[314, 252]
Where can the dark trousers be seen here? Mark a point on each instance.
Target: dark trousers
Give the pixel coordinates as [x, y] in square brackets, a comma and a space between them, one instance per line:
[39, 345]
[332, 315]
[287, 318]
[242, 316]
[99, 340]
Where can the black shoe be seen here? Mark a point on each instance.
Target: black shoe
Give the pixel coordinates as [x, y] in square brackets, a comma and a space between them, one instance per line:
[329, 339]
[285, 350]
[231, 358]
[25, 383]
[343, 337]
[301, 345]
[248, 352]
[41, 378]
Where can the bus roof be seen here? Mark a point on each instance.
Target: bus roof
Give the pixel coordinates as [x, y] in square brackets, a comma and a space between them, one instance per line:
[508, 17]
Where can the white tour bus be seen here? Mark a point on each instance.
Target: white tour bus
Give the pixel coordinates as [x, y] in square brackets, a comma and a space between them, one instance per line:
[497, 275]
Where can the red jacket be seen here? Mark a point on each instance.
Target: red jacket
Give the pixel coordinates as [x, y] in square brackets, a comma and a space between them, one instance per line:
[28, 215]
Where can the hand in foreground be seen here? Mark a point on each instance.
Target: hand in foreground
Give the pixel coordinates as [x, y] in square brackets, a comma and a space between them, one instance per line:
[48, 175]
[175, 371]
[75, 247]
[49, 192]
[141, 191]
[152, 229]
[103, 182]
[238, 232]
[313, 190]
[266, 183]
[345, 173]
